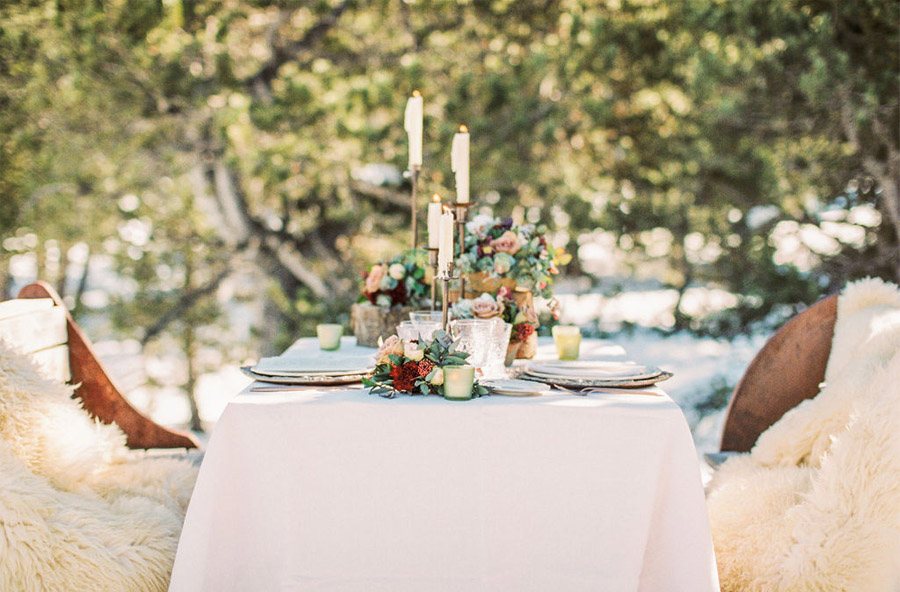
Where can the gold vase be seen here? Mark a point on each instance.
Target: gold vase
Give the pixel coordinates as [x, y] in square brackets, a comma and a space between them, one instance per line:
[479, 283]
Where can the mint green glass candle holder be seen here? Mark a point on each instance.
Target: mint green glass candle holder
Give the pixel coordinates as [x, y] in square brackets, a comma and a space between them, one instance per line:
[568, 341]
[329, 335]
[459, 382]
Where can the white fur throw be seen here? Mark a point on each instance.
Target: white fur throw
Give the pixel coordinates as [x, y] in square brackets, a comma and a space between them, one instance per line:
[815, 506]
[78, 510]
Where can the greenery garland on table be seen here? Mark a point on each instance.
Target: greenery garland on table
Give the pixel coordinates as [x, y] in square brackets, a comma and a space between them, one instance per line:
[399, 282]
[416, 368]
[501, 249]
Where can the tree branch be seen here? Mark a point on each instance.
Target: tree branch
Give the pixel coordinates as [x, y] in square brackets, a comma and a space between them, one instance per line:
[183, 304]
[261, 82]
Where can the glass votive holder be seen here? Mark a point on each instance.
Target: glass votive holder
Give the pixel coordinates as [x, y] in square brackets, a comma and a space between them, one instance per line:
[329, 335]
[459, 382]
[568, 341]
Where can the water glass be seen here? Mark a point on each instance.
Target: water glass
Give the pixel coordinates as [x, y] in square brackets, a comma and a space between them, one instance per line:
[408, 331]
[568, 341]
[474, 336]
[425, 316]
[494, 365]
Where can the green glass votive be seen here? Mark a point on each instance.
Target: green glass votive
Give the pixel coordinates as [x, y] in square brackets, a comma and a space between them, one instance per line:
[329, 335]
[568, 341]
[459, 382]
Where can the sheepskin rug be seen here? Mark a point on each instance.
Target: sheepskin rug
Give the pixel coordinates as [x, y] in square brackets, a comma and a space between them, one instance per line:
[815, 506]
[78, 510]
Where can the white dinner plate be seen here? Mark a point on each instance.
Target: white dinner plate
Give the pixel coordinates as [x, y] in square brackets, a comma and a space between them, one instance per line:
[513, 387]
[306, 379]
[331, 363]
[593, 370]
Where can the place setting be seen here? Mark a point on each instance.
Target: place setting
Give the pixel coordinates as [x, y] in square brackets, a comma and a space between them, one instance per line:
[326, 361]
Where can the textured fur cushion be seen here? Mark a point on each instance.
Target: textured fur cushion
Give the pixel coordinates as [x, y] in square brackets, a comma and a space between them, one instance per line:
[816, 504]
[78, 510]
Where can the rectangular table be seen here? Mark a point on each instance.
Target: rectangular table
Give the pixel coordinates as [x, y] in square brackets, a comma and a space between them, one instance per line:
[336, 490]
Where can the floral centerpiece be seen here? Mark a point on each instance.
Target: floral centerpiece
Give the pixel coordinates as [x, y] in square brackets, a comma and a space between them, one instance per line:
[513, 256]
[415, 368]
[400, 281]
[390, 291]
[519, 313]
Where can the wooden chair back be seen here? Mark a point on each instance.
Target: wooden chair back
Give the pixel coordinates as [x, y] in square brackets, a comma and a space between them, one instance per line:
[68, 353]
[785, 372]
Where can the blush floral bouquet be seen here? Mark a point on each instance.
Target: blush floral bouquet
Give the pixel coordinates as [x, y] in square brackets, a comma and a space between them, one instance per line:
[500, 249]
[415, 368]
[400, 281]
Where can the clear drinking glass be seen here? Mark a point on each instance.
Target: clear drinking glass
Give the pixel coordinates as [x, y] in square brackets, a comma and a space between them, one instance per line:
[423, 316]
[494, 365]
[426, 329]
[408, 331]
[474, 337]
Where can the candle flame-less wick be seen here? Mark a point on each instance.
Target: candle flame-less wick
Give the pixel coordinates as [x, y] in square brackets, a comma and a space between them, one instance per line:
[416, 93]
[463, 129]
[436, 198]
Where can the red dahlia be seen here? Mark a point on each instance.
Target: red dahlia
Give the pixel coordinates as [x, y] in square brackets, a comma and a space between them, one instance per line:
[405, 376]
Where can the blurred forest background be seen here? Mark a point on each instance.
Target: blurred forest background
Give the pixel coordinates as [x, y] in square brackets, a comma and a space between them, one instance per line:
[209, 178]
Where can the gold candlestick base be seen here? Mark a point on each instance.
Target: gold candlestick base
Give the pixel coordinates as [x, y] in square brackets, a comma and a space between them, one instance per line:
[445, 298]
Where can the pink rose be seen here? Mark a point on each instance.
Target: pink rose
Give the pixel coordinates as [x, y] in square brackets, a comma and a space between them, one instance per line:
[508, 242]
[391, 346]
[373, 280]
[486, 308]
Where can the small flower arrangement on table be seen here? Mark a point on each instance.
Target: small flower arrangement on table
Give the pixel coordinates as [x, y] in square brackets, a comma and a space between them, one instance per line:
[415, 368]
[399, 282]
[523, 318]
[521, 254]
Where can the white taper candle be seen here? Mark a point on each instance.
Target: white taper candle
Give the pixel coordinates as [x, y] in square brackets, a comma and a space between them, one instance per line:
[459, 162]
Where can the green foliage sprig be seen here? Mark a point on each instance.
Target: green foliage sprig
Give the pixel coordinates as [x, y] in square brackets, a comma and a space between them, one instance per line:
[416, 368]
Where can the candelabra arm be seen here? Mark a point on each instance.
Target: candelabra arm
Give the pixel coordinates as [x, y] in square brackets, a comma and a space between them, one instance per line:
[433, 262]
[413, 175]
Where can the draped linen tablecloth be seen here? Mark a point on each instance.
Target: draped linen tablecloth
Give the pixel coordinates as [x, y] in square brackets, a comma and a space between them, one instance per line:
[332, 489]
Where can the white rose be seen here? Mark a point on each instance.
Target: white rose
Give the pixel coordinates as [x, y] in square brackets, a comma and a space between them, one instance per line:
[412, 351]
[437, 379]
[397, 271]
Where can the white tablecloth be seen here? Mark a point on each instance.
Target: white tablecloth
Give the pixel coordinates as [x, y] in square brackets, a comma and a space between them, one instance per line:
[337, 490]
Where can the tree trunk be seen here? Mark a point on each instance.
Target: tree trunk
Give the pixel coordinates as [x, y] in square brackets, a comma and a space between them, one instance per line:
[188, 337]
[82, 285]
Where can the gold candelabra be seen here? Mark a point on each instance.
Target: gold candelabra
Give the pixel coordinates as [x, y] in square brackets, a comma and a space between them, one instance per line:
[413, 175]
[445, 278]
[433, 262]
[461, 211]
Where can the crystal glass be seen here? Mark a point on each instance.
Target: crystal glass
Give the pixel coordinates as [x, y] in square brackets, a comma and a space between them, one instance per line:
[424, 316]
[408, 331]
[458, 382]
[568, 341]
[494, 365]
[329, 336]
[474, 337]
[426, 329]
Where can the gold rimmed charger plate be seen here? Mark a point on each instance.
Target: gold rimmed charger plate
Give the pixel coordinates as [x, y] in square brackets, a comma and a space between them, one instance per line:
[307, 379]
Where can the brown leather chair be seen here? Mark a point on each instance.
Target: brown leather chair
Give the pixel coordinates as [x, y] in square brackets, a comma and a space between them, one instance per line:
[785, 372]
[100, 396]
